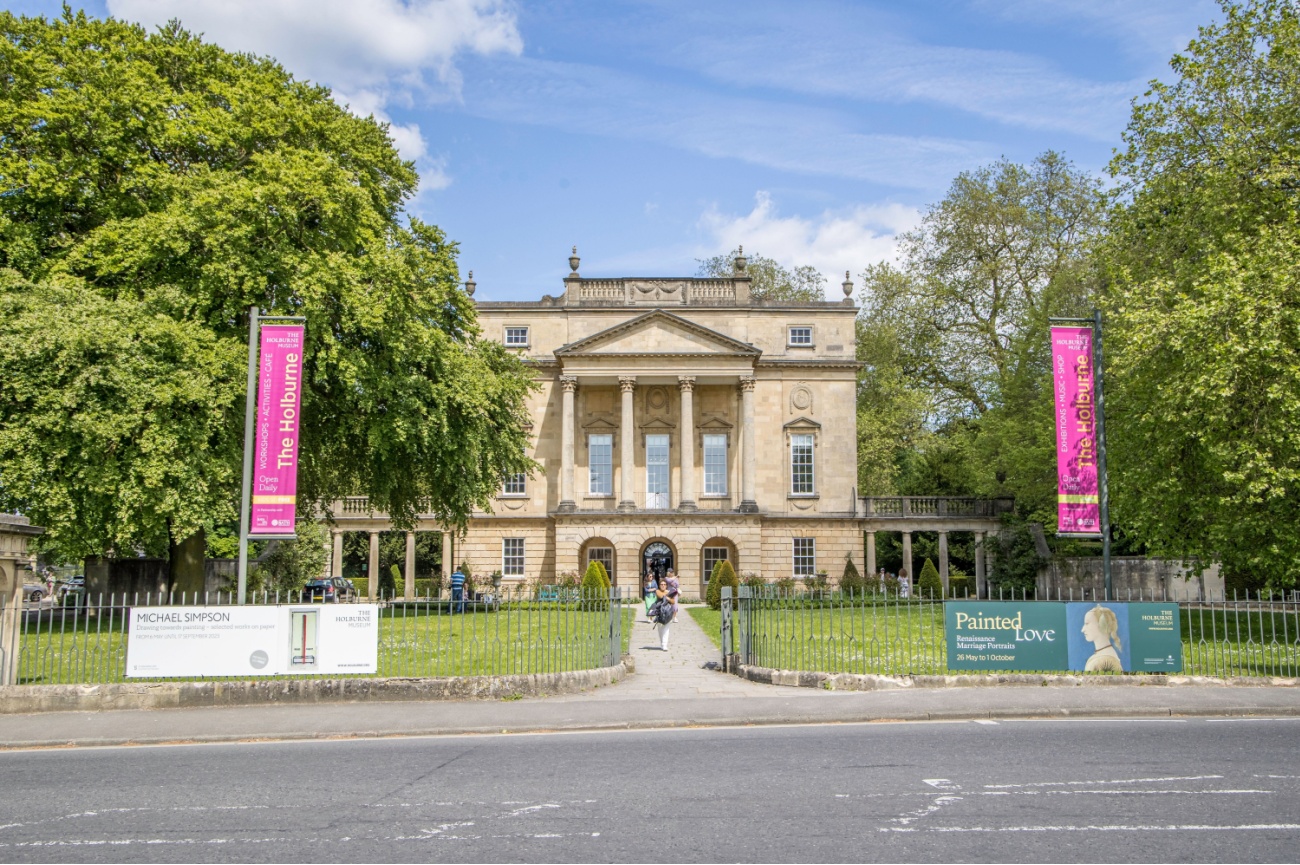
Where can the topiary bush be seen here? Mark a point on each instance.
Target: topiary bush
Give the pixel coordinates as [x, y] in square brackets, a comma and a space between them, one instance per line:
[929, 586]
[723, 575]
[595, 582]
[851, 581]
[388, 581]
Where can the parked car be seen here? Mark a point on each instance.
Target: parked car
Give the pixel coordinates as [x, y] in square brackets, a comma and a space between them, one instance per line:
[71, 592]
[329, 589]
[34, 592]
[320, 590]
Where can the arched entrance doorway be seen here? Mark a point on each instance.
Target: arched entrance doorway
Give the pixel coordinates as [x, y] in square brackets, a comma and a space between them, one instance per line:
[656, 558]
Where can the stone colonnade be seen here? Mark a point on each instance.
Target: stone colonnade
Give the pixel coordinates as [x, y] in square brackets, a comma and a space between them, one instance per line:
[627, 442]
[408, 571]
[981, 576]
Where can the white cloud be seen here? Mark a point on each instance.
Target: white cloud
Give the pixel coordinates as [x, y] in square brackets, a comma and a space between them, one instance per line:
[833, 242]
[373, 54]
[1152, 27]
[786, 135]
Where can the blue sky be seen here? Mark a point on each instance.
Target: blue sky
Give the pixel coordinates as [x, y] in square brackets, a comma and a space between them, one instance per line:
[651, 133]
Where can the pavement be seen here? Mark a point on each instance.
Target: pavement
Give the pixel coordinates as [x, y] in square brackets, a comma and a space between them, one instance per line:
[668, 689]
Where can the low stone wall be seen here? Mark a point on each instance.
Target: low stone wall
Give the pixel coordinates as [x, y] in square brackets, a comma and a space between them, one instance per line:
[853, 682]
[26, 699]
[1131, 576]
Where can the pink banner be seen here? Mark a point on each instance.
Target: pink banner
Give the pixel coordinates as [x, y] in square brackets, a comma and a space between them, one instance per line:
[1078, 500]
[275, 456]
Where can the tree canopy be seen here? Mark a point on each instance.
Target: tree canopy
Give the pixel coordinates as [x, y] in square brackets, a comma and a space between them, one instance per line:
[1203, 263]
[769, 281]
[152, 189]
[954, 336]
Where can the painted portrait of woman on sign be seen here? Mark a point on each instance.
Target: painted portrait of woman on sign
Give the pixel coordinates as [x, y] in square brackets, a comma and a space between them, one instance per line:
[1099, 637]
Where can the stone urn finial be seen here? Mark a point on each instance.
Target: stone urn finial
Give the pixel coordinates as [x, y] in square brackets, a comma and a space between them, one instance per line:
[470, 284]
[847, 285]
[741, 261]
[574, 261]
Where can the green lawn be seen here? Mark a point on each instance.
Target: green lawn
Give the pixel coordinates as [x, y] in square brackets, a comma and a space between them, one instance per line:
[413, 641]
[900, 639]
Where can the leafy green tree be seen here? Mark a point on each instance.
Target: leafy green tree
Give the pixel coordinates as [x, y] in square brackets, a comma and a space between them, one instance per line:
[288, 565]
[769, 281]
[156, 187]
[392, 551]
[963, 319]
[1203, 342]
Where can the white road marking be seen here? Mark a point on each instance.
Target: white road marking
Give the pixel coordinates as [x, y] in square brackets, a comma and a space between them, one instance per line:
[1192, 827]
[986, 722]
[1097, 783]
[941, 784]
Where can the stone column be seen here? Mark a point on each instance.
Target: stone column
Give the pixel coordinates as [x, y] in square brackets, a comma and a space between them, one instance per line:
[372, 573]
[567, 501]
[943, 561]
[446, 561]
[627, 447]
[981, 579]
[686, 500]
[749, 465]
[871, 557]
[907, 560]
[336, 556]
[408, 586]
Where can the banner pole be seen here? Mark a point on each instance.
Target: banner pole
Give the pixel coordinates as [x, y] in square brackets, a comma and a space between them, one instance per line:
[250, 406]
[1101, 453]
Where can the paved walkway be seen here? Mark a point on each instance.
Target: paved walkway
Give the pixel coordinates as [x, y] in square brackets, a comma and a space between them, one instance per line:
[679, 672]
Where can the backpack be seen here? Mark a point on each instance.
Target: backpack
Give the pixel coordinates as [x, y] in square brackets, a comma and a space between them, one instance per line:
[664, 614]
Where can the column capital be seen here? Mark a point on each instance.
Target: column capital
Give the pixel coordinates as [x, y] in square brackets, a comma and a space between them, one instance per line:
[747, 382]
[569, 383]
[686, 383]
[627, 383]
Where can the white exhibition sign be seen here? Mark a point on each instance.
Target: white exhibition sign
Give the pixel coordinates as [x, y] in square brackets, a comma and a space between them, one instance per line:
[252, 640]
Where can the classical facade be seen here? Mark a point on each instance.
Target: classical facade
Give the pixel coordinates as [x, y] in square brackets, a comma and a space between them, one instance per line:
[678, 422]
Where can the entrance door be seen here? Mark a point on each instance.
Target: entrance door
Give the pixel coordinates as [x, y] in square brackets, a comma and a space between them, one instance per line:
[656, 472]
[656, 560]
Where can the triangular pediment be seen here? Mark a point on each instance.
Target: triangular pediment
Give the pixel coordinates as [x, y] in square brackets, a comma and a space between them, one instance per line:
[657, 333]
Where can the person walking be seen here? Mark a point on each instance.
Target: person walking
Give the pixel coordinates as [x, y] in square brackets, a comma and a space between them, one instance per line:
[648, 591]
[674, 589]
[458, 591]
[667, 601]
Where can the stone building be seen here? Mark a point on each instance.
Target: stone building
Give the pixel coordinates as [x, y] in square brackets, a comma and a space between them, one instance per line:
[678, 422]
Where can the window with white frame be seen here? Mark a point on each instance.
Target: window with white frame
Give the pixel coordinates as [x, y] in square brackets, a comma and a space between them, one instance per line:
[515, 484]
[715, 465]
[801, 465]
[604, 555]
[800, 335]
[805, 557]
[713, 555]
[512, 557]
[600, 464]
[656, 471]
[517, 336]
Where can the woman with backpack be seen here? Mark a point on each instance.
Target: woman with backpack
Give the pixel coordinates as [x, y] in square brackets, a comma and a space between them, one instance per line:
[665, 610]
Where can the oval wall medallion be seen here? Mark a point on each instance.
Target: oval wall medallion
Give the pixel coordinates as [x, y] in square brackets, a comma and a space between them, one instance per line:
[801, 399]
[656, 398]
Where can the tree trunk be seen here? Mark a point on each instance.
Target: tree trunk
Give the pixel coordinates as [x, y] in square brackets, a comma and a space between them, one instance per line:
[186, 560]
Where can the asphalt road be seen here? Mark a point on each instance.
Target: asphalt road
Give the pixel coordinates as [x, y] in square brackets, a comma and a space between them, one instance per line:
[1209, 790]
